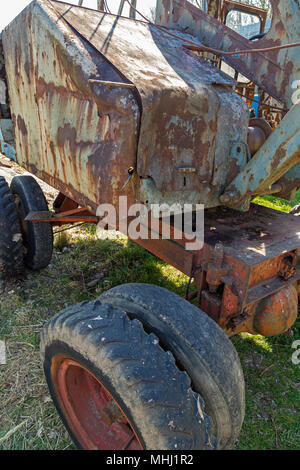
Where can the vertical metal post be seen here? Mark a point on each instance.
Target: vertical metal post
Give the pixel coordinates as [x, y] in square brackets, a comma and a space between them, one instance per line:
[80, 2]
[214, 8]
[132, 12]
[121, 7]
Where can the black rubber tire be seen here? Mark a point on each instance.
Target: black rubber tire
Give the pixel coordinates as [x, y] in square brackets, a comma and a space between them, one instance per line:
[11, 251]
[200, 348]
[37, 237]
[134, 369]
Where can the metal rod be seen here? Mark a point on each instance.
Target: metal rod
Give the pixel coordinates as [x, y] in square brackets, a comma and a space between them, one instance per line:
[106, 83]
[132, 13]
[201, 48]
[121, 7]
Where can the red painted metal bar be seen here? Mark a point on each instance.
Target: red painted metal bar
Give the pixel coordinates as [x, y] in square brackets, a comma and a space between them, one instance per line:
[68, 217]
[236, 277]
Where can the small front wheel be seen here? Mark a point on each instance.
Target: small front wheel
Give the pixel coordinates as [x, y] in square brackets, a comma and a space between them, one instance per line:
[115, 388]
[37, 236]
[11, 253]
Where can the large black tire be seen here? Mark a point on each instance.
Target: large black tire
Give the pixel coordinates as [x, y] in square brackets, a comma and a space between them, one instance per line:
[156, 398]
[11, 252]
[200, 348]
[37, 237]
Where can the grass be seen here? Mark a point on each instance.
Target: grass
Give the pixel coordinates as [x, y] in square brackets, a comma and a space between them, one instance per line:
[273, 381]
[277, 203]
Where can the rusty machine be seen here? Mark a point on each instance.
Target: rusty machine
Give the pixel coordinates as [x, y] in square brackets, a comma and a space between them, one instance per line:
[178, 110]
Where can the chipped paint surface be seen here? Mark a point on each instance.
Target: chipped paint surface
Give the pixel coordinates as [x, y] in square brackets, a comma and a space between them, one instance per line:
[89, 135]
[280, 153]
[183, 128]
[81, 139]
[247, 272]
[190, 113]
[273, 71]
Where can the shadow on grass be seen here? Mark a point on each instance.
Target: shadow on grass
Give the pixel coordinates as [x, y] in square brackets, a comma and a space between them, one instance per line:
[77, 265]
[83, 268]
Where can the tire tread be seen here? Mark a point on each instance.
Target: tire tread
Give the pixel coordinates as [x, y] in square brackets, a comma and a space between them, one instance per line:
[155, 395]
[11, 250]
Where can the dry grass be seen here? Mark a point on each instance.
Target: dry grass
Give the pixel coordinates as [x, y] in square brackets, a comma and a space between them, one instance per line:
[82, 268]
[27, 304]
[24, 395]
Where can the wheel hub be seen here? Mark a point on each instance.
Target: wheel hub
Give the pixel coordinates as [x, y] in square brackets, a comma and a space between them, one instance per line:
[93, 415]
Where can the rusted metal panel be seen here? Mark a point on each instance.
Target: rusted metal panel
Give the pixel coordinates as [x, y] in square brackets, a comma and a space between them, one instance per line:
[290, 182]
[2, 70]
[273, 71]
[77, 137]
[273, 314]
[170, 252]
[241, 270]
[82, 137]
[183, 128]
[262, 233]
[190, 115]
[258, 250]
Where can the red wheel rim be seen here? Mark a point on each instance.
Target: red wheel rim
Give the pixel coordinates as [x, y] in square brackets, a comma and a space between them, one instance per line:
[95, 418]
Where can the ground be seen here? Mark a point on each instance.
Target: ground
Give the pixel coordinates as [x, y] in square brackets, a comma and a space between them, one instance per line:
[84, 266]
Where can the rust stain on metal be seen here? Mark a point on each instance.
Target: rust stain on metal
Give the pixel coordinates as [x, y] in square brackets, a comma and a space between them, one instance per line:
[273, 71]
[288, 267]
[240, 284]
[22, 126]
[274, 314]
[184, 102]
[78, 137]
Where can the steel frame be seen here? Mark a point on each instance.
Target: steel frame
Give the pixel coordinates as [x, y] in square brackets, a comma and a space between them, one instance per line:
[234, 275]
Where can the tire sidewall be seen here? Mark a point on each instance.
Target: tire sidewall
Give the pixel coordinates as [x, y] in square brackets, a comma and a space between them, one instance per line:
[11, 249]
[39, 234]
[188, 355]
